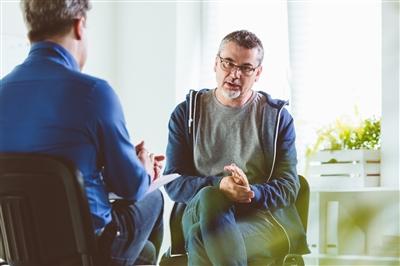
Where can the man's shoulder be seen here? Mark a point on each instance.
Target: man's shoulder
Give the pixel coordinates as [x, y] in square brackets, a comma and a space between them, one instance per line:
[272, 102]
[190, 99]
[89, 80]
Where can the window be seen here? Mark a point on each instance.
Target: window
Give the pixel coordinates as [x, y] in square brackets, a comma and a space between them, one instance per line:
[268, 20]
[334, 50]
[335, 55]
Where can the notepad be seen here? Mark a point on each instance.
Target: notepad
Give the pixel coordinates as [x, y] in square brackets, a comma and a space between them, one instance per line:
[161, 181]
[158, 183]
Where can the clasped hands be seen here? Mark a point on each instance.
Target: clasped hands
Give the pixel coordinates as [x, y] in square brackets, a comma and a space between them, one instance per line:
[236, 186]
[152, 163]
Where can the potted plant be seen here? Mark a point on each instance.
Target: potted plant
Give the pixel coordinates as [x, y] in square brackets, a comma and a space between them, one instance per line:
[345, 155]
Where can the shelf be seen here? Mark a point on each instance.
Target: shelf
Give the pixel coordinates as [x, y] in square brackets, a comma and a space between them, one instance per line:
[352, 257]
[363, 189]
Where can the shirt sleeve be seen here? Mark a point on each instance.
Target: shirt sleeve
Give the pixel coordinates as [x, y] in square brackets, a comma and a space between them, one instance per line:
[123, 172]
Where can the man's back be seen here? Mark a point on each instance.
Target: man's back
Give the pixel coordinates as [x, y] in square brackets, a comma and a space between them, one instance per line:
[48, 106]
[45, 107]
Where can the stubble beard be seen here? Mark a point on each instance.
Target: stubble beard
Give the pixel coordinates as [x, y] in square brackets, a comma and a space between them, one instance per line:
[231, 94]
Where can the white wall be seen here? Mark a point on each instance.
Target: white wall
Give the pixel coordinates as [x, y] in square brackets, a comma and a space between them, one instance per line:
[144, 51]
[145, 70]
[14, 44]
[189, 32]
[390, 161]
[101, 60]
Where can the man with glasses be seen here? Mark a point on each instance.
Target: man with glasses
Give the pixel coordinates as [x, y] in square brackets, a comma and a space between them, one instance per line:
[235, 151]
[47, 106]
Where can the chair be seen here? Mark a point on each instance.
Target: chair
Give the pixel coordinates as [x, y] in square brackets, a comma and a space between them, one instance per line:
[44, 213]
[176, 254]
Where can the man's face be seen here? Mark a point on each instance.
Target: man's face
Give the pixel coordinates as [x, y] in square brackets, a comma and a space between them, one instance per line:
[235, 82]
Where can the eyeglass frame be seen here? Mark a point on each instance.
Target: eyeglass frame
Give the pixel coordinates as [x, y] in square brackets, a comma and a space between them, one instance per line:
[238, 67]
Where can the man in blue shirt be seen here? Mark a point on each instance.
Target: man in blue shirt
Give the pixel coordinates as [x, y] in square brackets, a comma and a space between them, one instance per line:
[48, 106]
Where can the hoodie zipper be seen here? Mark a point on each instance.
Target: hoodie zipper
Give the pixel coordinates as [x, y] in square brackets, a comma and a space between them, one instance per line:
[270, 174]
[192, 113]
[190, 120]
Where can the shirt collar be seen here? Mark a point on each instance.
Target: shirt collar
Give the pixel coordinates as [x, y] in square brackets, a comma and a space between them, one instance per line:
[55, 52]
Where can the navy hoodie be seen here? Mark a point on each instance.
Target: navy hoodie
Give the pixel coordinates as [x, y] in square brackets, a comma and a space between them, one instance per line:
[279, 191]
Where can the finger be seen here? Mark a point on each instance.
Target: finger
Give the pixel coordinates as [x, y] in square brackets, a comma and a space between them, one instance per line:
[243, 190]
[159, 158]
[243, 176]
[244, 200]
[139, 146]
[234, 169]
[158, 167]
[241, 179]
[240, 171]
[234, 174]
[229, 168]
[236, 179]
[142, 153]
[246, 197]
[157, 172]
[158, 163]
[251, 194]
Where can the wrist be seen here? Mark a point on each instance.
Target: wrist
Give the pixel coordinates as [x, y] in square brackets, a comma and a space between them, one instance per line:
[216, 181]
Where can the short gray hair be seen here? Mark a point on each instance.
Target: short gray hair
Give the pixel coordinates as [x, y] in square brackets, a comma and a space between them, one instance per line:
[245, 39]
[47, 18]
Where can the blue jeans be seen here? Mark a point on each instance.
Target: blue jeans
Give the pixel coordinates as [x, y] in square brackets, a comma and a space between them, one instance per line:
[135, 234]
[220, 232]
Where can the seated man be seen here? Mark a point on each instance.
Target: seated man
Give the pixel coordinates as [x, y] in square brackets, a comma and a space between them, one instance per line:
[48, 106]
[235, 151]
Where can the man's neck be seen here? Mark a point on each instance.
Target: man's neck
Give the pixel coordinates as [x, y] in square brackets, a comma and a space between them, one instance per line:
[67, 43]
[237, 102]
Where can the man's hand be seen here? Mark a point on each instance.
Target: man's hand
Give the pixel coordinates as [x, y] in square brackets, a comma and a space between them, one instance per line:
[234, 191]
[152, 163]
[238, 175]
[158, 164]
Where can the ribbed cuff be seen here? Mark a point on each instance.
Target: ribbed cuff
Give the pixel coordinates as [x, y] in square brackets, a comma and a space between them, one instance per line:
[215, 180]
[257, 194]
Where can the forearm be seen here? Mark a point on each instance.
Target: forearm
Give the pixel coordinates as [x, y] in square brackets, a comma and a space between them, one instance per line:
[279, 192]
[185, 187]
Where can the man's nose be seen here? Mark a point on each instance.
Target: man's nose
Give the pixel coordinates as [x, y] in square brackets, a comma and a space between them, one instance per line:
[235, 72]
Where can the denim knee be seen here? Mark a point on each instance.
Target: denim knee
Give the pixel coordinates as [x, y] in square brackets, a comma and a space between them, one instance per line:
[213, 200]
[156, 200]
[194, 239]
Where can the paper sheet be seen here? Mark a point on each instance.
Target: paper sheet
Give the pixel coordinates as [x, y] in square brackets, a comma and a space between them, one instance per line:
[158, 183]
[161, 181]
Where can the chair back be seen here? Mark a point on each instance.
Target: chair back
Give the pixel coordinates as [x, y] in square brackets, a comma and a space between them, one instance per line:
[44, 213]
[302, 201]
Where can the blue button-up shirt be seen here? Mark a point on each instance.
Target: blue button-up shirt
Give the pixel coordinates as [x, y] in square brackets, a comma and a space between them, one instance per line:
[48, 106]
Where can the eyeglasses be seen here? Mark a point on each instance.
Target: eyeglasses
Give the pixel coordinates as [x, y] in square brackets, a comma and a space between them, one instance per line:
[228, 65]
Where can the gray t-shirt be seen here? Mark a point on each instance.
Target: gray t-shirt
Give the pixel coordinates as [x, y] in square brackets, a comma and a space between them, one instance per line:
[228, 135]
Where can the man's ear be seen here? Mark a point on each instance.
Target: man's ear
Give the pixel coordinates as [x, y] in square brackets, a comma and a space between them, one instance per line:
[79, 27]
[215, 65]
[258, 73]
